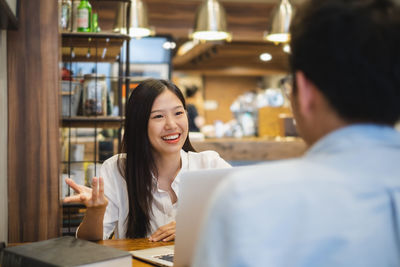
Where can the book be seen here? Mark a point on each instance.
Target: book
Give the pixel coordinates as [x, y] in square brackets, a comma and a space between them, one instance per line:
[64, 251]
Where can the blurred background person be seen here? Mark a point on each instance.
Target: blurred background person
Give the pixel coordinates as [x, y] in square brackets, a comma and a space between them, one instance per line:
[196, 121]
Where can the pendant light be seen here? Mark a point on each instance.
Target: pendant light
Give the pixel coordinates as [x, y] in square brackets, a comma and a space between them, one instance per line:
[210, 23]
[138, 26]
[278, 30]
[120, 19]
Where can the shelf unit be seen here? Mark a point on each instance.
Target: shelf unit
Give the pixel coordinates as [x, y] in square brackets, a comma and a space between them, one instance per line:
[95, 49]
[80, 49]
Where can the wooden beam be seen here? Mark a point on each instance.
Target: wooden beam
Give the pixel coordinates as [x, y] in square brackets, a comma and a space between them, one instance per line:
[33, 130]
[234, 71]
[193, 53]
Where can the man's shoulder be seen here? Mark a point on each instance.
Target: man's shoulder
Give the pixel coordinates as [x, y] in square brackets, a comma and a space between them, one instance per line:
[285, 176]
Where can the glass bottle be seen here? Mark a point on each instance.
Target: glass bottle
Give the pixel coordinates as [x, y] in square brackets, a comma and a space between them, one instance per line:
[65, 19]
[95, 23]
[74, 15]
[84, 16]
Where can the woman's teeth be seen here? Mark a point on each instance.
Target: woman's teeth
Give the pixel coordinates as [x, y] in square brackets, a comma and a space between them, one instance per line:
[171, 137]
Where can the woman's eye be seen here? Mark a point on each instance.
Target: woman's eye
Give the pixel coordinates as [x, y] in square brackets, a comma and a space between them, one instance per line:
[157, 116]
[179, 113]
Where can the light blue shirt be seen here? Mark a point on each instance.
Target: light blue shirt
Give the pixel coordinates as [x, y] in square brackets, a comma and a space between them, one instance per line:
[338, 205]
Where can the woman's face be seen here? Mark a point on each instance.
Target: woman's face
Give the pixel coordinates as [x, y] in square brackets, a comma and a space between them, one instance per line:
[168, 124]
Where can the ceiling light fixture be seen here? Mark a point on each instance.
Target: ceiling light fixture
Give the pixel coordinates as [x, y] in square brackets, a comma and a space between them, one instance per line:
[278, 29]
[265, 57]
[139, 26]
[210, 23]
[120, 19]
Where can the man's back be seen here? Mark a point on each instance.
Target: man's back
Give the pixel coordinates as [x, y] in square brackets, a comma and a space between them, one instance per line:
[339, 205]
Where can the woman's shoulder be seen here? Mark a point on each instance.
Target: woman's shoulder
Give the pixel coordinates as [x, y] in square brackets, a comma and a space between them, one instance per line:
[205, 159]
[115, 158]
[204, 154]
[113, 161]
[110, 170]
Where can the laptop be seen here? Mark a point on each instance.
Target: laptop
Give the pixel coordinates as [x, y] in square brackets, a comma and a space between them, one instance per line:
[195, 192]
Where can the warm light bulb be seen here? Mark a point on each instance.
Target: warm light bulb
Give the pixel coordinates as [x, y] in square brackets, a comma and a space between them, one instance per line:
[265, 57]
[210, 35]
[139, 32]
[278, 37]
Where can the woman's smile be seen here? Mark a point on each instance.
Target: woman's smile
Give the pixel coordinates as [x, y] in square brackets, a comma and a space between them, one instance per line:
[172, 138]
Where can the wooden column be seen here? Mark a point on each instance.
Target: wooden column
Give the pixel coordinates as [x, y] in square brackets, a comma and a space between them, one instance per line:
[33, 123]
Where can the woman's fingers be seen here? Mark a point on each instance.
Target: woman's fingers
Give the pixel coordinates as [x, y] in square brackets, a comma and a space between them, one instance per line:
[73, 199]
[94, 190]
[73, 185]
[165, 233]
[168, 234]
[159, 232]
[90, 197]
[101, 188]
[169, 238]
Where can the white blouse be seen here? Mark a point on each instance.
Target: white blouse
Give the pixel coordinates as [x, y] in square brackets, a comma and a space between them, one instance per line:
[116, 216]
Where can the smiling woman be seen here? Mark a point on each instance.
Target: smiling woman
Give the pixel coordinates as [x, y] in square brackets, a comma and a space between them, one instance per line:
[136, 195]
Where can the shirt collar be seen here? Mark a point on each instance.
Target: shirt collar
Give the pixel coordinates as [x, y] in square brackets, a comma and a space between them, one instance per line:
[356, 135]
[184, 167]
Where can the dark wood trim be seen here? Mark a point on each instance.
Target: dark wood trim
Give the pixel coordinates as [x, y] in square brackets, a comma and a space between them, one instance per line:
[34, 208]
[7, 18]
[102, 122]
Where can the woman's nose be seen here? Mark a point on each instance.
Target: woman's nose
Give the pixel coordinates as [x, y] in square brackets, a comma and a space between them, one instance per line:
[170, 122]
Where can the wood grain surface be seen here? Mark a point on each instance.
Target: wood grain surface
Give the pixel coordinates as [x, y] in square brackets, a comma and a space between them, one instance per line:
[33, 128]
[134, 244]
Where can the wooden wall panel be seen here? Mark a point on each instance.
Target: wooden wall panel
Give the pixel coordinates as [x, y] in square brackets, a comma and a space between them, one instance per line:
[224, 90]
[3, 137]
[33, 129]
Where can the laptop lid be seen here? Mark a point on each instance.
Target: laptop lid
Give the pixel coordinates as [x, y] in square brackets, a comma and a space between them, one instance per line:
[196, 190]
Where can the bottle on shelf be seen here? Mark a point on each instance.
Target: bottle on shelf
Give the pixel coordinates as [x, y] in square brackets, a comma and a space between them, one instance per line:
[95, 23]
[74, 15]
[65, 18]
[84, 16]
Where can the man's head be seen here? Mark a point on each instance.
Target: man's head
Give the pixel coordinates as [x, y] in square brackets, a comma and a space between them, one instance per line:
[348, 53]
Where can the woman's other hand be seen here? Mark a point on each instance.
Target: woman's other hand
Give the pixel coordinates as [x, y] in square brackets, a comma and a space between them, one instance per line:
[92, 198]
[164, 233]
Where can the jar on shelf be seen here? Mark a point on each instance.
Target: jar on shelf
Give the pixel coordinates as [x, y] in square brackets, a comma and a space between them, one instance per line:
[94, 95]
[65, 18]
[74, 15]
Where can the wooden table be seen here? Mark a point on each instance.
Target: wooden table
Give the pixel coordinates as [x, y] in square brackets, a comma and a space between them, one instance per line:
[134, 244]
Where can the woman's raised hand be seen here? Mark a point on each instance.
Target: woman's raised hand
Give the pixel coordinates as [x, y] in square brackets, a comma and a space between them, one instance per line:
[90, 197]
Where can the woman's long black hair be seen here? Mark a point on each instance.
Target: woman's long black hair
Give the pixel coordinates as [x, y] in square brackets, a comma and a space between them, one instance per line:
[139, 166]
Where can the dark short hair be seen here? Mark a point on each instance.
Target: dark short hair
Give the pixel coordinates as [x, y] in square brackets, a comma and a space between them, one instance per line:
[350, 49]
[191, 90]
